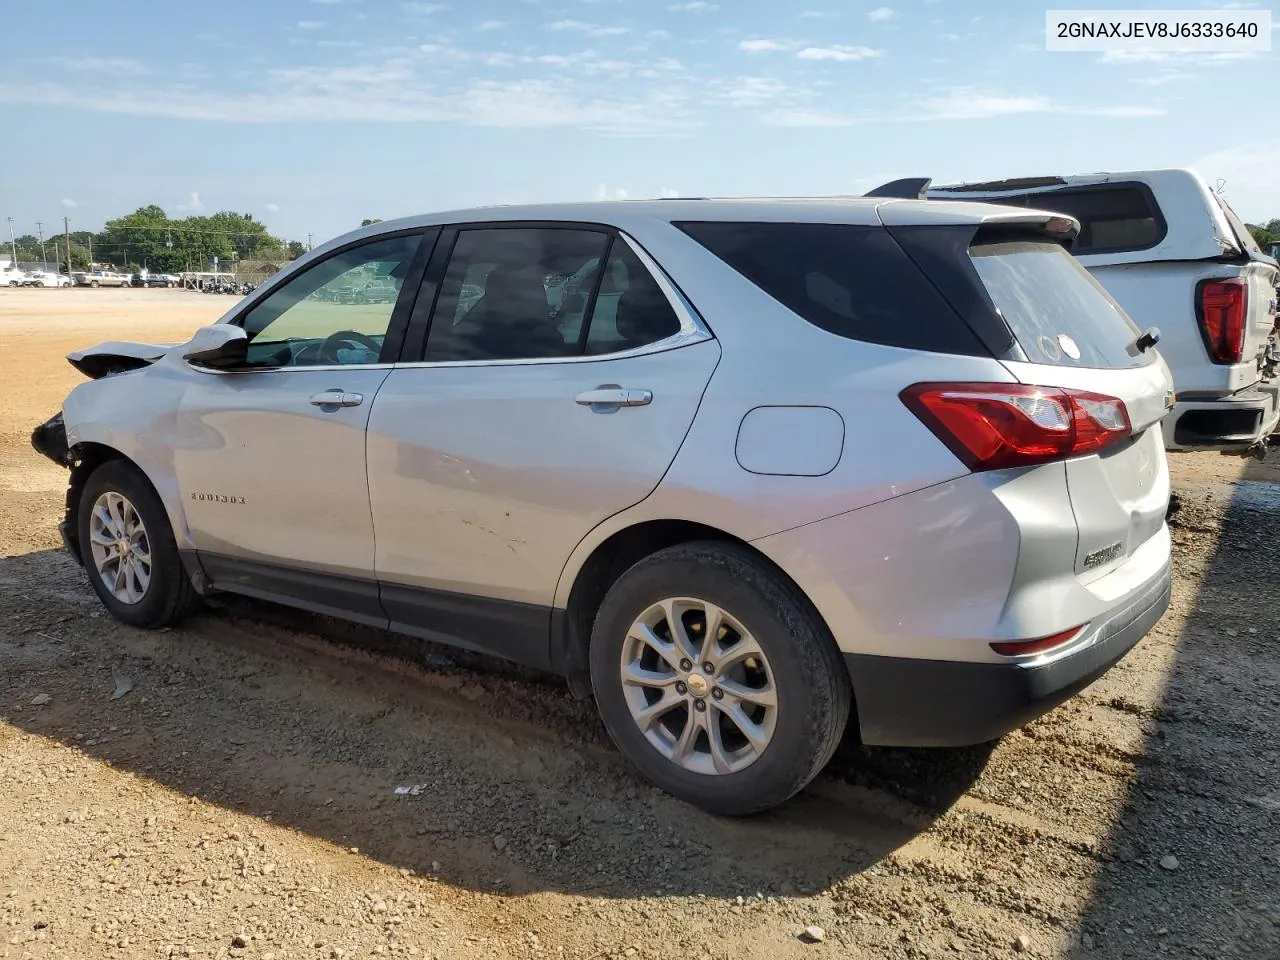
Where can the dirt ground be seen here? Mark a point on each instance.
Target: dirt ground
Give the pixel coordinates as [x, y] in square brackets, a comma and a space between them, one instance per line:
[228, 788]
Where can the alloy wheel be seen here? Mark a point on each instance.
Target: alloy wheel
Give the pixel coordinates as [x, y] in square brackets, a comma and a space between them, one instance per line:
[121, 548]
[699, 686]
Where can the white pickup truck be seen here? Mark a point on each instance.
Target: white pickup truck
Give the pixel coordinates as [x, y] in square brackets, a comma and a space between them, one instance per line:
[1176, 257]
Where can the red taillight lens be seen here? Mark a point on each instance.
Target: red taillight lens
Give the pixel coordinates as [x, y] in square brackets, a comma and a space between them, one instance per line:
[1023, 648]
[990, 426]
[1222, 309]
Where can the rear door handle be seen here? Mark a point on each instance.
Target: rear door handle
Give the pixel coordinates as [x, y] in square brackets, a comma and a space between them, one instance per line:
[612, 396]
[337, 398]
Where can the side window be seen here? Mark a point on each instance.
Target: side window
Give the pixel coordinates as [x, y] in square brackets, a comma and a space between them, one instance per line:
[515, 293]
[336, 312]
[1112, 218]
[631, 310]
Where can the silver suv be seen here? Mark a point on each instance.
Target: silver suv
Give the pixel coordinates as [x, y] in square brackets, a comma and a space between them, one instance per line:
[741, 470]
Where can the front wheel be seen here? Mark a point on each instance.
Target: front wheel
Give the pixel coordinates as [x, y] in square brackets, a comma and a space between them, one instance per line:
[129, 551]
[717, 679]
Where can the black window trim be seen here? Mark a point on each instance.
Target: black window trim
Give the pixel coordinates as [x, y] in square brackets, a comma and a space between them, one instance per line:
[693, 329]
[428, 237]
[1028, 196]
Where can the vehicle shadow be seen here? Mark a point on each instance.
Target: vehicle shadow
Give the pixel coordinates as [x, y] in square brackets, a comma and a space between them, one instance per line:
[507, 783]
[1192, 864]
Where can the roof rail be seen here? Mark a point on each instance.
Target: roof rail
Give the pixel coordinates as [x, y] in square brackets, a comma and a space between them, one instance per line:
[908, 188]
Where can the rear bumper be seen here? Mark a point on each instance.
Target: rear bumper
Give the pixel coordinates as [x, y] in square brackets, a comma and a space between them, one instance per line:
[1224, 423]
[944, 703]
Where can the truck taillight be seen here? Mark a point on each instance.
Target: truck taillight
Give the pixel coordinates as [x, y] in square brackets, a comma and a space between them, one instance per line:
[990, 426]
[1221, 310]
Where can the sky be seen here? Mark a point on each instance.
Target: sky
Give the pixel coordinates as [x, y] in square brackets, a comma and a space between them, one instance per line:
[314, 114]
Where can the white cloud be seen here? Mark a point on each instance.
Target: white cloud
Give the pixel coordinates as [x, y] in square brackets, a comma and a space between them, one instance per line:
[668, 193]
[838, 52]
[969, 104]
[658, 35]
[114, 66]
[1160, 79]
[668, 63]
[590, 29]
[193, 204]
[492, 25]
[749, 91]
[802, 117]
[69, 203]
[275, 207]
[880, 14]
[415, 6]
[766, 45]
[440, 51]
[694, 6]
[605, 192]
[312, 24]
[1249, 169]
[1158, 56]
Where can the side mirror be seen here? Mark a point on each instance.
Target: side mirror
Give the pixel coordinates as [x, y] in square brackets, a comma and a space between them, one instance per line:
[220, 346]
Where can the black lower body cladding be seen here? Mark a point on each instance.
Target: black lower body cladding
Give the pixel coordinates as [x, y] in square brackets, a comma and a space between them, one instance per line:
[948, 703]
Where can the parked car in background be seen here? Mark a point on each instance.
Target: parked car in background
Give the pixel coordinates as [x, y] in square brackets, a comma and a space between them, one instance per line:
[810, 459]
[14, 278]
[45, 278]
[103, 278]
[155, 280]
[1176, 257]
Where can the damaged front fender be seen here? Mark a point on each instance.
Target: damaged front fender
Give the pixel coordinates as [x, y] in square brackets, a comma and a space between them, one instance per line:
[50, 439]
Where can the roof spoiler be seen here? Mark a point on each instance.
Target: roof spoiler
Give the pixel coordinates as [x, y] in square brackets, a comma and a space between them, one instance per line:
[908, 188]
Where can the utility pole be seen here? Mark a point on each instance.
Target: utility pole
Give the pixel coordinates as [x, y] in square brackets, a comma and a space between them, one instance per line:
[66, 235]
[308, 243]
[44, 257]
[13, 247]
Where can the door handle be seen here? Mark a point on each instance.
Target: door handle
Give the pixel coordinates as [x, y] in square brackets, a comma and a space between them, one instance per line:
[609, 395]
[337, 398]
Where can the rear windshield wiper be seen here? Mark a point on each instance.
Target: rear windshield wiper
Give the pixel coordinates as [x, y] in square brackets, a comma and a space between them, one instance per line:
[1148, 339]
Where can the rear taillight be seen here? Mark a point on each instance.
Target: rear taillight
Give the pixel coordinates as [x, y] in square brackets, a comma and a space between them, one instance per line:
[990, 426]
[1221, 310]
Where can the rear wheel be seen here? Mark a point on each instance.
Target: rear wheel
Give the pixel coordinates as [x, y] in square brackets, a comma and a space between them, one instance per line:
[129, 551]
[93, 283]
[717, 679]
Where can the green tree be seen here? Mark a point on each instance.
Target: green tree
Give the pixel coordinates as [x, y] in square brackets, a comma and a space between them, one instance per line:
[296, 249]
[149, 236]
[1267, 234]
[370, 222]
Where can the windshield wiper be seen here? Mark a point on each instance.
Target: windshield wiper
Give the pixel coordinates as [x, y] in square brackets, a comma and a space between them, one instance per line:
[1149, 338]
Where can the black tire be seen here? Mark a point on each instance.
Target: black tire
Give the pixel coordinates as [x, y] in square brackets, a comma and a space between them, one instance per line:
[170, 595]
[813, 689]
[94, 284]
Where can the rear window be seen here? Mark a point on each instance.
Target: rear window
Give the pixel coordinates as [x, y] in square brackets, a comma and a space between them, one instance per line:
[1056, 310]
[854, 281]
[1113, 218]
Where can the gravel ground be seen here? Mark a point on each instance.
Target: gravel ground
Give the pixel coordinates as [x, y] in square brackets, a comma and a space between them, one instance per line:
[228, 788]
